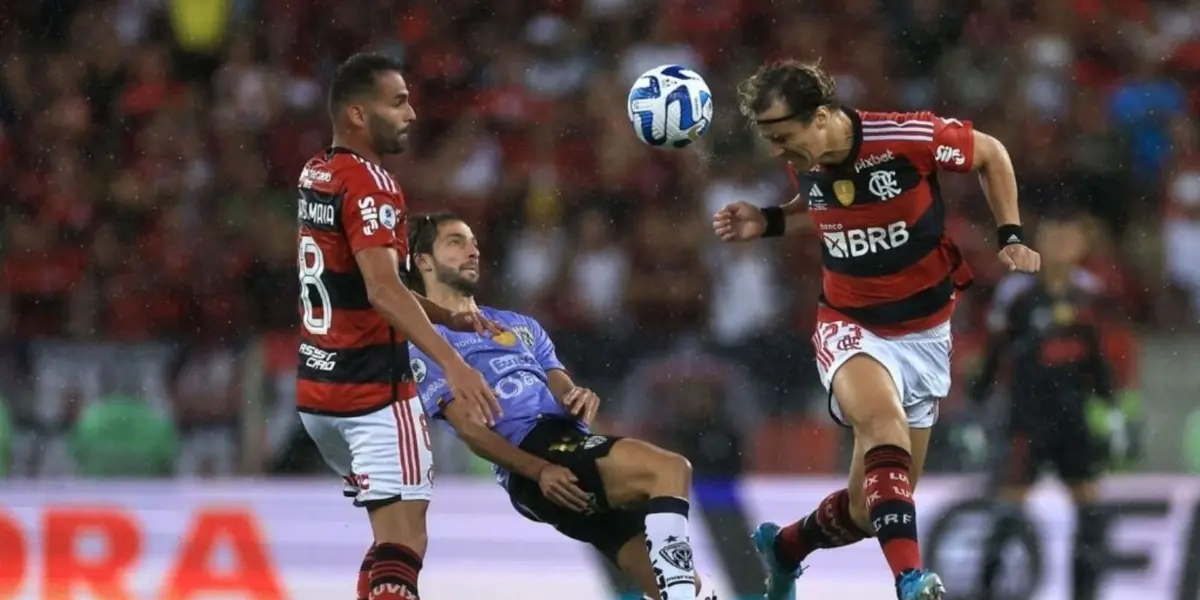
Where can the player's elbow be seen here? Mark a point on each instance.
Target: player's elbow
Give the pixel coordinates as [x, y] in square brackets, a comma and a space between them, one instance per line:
[378, 292]
[381, 280]
[471, 432]
[990, 153]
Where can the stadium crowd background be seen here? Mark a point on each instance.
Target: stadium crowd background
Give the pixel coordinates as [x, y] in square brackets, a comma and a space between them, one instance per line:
[148, 152]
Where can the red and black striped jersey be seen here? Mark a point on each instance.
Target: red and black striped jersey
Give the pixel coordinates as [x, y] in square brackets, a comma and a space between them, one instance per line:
[351, 360]
[888, 263]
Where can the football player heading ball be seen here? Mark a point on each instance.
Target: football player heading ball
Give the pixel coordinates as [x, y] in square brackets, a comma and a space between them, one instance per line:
[868, 183]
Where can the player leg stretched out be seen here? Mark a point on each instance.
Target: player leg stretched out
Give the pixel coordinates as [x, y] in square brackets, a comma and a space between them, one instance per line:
[626, 497]
[354, 392]
[868, 183]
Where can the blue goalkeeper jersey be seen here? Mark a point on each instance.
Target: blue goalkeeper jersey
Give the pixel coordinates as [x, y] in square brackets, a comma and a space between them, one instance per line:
[514, 363]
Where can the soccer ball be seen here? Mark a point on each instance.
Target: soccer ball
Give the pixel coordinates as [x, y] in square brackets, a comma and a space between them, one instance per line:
[670, 106]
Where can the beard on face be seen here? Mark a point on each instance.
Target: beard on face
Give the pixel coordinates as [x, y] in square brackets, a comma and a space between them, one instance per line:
[454, 279]
[385, 137]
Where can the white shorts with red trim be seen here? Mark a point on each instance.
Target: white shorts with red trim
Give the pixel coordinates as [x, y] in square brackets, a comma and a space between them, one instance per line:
[382, 456]
[919, 364]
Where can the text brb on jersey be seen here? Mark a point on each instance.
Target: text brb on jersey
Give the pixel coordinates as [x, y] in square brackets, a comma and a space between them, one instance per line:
[853, 243]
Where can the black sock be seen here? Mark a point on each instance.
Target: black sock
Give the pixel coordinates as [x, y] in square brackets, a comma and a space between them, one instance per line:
[394, 573]
[891, 508]
[1089, 543]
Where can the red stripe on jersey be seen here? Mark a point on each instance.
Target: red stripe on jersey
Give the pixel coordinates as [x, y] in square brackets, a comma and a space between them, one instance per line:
[826, 314]
[348, 399]
[335, 254]
[854, 292]
[351, 329]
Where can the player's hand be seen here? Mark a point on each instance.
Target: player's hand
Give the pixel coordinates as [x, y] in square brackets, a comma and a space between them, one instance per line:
[1118, 435]
[561, 486]
[1019, 257]
[470, 388]
[582, 403]
[739, 222]
[470, 321]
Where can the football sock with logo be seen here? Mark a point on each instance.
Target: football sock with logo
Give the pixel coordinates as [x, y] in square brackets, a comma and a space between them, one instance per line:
[394, 573]
[364, 574]
[890, 505]
[670, 548]
[829, 526]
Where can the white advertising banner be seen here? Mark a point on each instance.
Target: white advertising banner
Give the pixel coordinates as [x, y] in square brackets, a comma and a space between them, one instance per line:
[269, 539]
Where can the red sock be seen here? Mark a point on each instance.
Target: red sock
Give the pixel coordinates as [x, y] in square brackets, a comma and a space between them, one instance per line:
[890, 504]
[394, 573]
[364, 574]
[829, 526]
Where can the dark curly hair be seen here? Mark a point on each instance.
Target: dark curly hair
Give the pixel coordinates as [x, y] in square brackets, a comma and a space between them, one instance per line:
[356, 77]
[802, 87]
[422, 234]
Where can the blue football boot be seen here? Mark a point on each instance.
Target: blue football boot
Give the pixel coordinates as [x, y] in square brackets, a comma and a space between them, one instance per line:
[920, 585]
[781, 581]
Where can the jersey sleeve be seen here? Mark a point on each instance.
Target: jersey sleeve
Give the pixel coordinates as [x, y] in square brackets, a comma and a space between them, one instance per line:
[543, 347]
[373, 210]
[953, 144]
[431, 382]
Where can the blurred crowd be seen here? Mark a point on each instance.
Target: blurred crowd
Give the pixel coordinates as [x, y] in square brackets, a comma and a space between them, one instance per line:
[148, 150]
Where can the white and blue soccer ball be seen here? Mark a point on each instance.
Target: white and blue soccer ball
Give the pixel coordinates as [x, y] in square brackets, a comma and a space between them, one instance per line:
[670, 106]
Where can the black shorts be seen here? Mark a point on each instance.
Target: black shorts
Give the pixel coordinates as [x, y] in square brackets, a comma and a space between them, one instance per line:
[1067, 444]
[559, 442]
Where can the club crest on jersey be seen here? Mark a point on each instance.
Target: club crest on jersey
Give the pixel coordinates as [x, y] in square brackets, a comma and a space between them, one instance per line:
[884, 185]
[419, 370]
[387, 216]
[524, 334]
[843, 190]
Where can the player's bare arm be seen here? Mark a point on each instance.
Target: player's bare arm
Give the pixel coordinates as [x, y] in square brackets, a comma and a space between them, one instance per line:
[388, 295]
[795, 214]
[999, 182]
[742, 221]
[558, 483]
[582, 402]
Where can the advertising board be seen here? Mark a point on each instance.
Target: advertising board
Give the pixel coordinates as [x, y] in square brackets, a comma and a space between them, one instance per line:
[301, 539]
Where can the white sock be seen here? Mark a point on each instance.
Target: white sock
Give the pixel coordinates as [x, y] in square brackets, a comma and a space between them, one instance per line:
[670, 548]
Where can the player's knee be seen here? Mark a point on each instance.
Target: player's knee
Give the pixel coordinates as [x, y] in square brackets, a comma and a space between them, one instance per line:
[664, 473]
[870, 402]
[401, 522]
[886, 426]
[676, 468]
[636, 471]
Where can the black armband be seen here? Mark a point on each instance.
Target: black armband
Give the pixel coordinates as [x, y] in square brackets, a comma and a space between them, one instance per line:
[1007, 235]
[776, 221]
